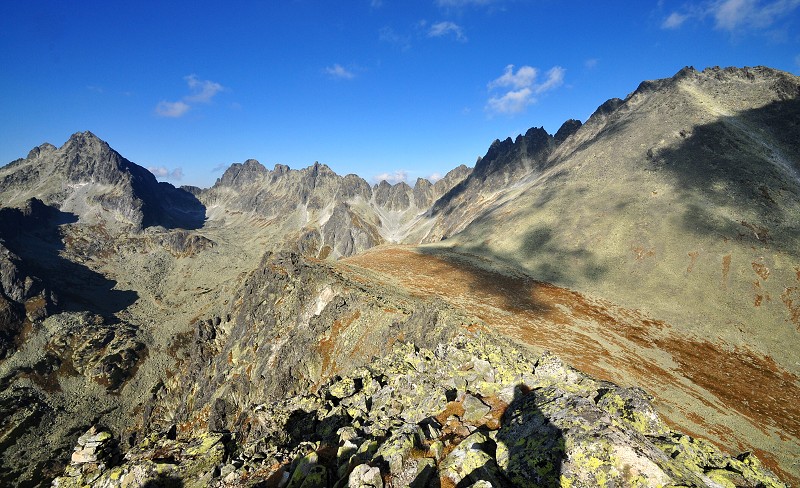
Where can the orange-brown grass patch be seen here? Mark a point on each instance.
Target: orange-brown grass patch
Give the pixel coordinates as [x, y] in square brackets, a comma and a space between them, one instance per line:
[641, 252]
[768, 460]
[761, 270]
[327, 345]
[693, 255]
[197, 422]
[452, 408]
[753, 385]
[607, 341]
[495, 415]
[726, 269]
[791, 298]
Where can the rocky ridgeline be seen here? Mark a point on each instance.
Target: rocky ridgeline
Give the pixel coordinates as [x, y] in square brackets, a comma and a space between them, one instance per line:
[334, 215]
[471, 412]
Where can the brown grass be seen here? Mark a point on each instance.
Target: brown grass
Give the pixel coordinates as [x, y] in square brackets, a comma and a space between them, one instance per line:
[761, 270]
[327, 345]
[791, 298]
[612, 343]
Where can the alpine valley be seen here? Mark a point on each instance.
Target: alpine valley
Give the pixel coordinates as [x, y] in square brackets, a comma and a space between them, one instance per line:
[616, 304]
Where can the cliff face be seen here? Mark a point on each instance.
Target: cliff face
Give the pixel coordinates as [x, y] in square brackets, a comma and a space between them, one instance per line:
[286, 327]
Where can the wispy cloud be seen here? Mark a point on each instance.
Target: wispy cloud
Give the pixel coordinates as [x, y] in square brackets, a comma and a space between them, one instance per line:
[524, 77]
[339, 72]
[734, 15]
[441, 29]
[519, 89]
[434, 177]
[393, 178]
[391, 36]
[555, 78]
[167, 174]
[171, 109]
[591, 63]
[674, 20]
[201, 91]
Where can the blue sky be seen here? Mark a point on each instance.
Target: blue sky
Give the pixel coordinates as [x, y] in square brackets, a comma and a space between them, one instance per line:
[380, 88]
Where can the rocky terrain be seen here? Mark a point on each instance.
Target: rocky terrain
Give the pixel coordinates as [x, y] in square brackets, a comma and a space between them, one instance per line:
[301, 328]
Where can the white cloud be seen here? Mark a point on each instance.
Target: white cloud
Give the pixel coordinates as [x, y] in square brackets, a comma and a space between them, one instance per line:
[162, 172]
[524, 77]
[674, 20]
[555, 78]
[171, 109]
[441, 29]
[512, 102]
[734, 15]
[434, 177]
[393, 178]
[202, 91]
[340, 72]
[522, 88]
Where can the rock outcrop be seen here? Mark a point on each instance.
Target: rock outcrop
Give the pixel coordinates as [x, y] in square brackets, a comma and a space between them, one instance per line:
[470, 412]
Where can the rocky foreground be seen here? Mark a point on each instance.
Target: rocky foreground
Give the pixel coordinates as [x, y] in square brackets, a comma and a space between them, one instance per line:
[471, 412]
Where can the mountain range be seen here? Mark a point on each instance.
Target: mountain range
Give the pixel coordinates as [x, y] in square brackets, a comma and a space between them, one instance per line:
[636, 276]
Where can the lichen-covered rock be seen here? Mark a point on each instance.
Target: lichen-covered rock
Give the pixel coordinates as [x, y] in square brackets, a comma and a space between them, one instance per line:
[472, 460]
[558, 428]
[365, 476]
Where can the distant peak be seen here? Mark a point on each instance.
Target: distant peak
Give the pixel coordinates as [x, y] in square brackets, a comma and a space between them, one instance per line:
[567, 129]
[84, 136]
[81, 140]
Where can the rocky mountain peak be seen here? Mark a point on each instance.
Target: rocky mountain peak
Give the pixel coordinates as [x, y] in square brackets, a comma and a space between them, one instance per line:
[42, 149]
[567, 129]
[239, 174]
[87, 178]
[511, 156]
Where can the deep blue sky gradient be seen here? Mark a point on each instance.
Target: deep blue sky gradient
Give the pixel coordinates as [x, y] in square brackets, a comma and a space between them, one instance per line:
[376, 88]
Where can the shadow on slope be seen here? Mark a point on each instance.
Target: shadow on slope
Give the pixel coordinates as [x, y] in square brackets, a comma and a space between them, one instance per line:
[180, 209]
[33, 234]
[567, 265]
[740, 176]
[491, 279]
[530, 448]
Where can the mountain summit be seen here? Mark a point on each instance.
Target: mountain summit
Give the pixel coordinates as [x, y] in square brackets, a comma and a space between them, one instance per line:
[88, 178]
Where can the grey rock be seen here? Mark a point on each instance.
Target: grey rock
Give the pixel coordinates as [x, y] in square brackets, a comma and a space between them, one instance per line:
[365, 476]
